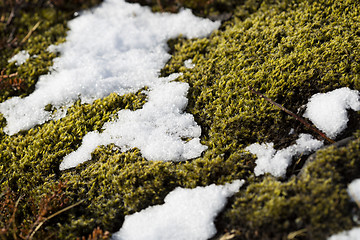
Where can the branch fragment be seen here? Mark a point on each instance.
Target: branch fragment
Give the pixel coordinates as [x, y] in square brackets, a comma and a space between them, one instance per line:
[297, 117]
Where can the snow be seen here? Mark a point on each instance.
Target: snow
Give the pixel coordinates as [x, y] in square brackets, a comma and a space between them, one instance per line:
[354, 190]
[186, 214]
[328, 110]
[276, 162]
[156, 129]
[119, 47]
[353, 234]
[20, 58]
[189, 64]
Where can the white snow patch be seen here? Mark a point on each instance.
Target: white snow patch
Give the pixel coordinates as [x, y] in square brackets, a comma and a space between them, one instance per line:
[54, 48]
[189, 64]
[276, 162]
[20, 57]
[328, 110]
[156, 129]
[353, 234]
[354, 190]
[119, 47]
[186, 214]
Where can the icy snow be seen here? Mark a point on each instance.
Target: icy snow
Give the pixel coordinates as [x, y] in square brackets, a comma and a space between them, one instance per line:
[353, 234]
[119, 47]
[20, 58]
[186, 214]
[276, 162]
[328, 110]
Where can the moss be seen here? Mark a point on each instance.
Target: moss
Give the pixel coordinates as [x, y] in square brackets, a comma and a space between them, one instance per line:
[216, 9]
[284, 54]
[119, 184]
[315, 203]
[42, 148]
[288, 50]
[35, 26]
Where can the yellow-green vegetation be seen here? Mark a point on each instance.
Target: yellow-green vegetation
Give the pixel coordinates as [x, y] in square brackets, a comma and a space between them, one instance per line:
[287, 50]
[309, 206]
[31, 25]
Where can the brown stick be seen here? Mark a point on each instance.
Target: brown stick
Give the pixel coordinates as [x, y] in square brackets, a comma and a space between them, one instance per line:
[51, 216]
[30, 32]
[300, 119]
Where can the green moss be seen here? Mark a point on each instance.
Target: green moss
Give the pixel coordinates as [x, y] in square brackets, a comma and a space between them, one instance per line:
[36, 25]
[118, 184]
[288, 50]
[52, 30]
[315, 203]
[284, 54]
[42, 148]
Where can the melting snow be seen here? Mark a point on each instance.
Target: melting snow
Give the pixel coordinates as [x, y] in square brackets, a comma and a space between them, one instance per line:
[189, 64]
[20, 57]
[186, 214]
[328, 110]
[354, 190]
[119, 47]
[276, 162]
[156, 129]
[353, 234]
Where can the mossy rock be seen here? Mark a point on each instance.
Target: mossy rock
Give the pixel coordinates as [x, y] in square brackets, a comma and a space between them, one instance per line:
[288, 50]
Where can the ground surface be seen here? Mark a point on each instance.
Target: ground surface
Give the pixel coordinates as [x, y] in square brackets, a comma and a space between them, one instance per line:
[287, 50]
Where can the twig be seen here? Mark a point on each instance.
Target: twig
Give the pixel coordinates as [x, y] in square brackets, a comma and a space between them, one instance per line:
[30, 32]
[160, 5]
[297, 233]
[53, 215]
[13, 217]
[10, 18]
[300, 119]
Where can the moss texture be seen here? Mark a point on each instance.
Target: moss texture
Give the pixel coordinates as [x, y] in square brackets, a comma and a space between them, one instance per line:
[309, 206]
[288, 50]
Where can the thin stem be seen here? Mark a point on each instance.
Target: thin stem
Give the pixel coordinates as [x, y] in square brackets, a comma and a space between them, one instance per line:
[30, 32]
[53, 215]
[297, 117]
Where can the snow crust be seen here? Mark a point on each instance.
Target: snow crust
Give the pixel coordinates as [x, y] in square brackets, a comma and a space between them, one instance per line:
[328, 110]
[186, 214]
[20, 57]
[119, 47]
[276, 162]
[353, 234]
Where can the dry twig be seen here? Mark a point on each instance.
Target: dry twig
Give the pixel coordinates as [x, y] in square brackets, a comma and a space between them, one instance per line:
[297, 117]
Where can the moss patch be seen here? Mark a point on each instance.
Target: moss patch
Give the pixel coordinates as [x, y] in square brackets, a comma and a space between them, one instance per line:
[288, 50]
[312, 205]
